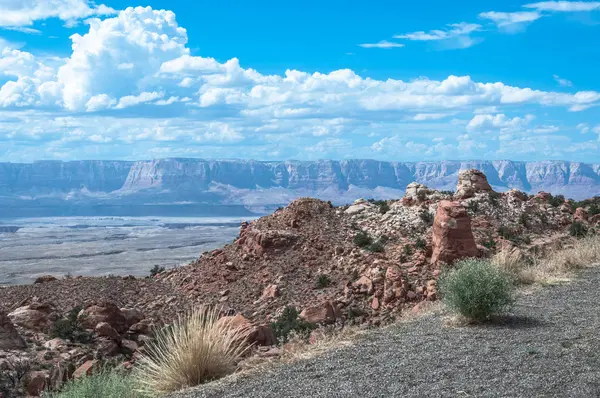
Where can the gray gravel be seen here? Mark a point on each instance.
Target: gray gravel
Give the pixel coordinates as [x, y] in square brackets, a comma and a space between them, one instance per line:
[549, 347]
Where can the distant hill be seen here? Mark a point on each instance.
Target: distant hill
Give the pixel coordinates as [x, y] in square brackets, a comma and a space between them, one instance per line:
[47, 185]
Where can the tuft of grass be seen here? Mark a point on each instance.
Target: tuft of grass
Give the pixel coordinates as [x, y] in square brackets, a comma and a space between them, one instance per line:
[420, 244]
[195, 349]
[323, 281]
[477, 290]
[426, 217]
[105, 384]
[577, 230]
[557, 264]
[375, 247]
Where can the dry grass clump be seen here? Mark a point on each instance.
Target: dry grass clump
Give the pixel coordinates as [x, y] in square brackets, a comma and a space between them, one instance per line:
[193, 350]
[555, 265]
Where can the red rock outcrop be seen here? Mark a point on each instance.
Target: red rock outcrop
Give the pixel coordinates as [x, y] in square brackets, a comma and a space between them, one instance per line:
[36, 316]
[104, 311]
[581, 214]
[452, 235]
[326, 312]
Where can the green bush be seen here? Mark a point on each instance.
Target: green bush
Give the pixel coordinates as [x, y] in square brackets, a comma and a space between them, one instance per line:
[556, 200]
[70, 328]
[105, 384]
[156, 270]
[289, 322]
[323, 281]
[507, 233]
[451, 193]
[362, 239]
[473, 206]
[577, 230]
[426, 217]
[476, 289]
[420, 243]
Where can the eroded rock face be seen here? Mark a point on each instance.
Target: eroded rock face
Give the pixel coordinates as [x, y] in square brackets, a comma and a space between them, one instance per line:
[471, 182]
[256, 242]
[9, 337]
[452, 235]
[581, 214]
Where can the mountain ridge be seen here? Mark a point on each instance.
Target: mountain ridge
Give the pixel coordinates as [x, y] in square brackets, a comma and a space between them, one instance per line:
[252, 182]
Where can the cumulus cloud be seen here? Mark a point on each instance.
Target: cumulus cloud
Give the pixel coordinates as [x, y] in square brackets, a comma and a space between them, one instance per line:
[139, 60]
[19, 13]
[381, 44]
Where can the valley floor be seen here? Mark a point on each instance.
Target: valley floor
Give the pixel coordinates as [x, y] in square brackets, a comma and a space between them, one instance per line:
[548, 347]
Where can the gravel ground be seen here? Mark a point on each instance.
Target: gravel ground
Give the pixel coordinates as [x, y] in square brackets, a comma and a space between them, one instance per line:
[549, 347]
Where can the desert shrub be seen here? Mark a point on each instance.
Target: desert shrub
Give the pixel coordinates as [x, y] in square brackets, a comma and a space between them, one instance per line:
[421, 195]
[105, 384]
[513, 263]
[577, 229]
[557, 200]
[196, 348]
[420, 243]
[451, 193]
[362, 239]
[476, 289]
[13, 376]
[523, 219]
[70, 328]
[156, 270]
[473, 206]
[289, 322]
[323, 281]
[494, 198]
[426, 217]
[506, 233]
[384, 208]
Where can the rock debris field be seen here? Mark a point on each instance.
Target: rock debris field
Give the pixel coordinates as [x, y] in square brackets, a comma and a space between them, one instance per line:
[548, 347]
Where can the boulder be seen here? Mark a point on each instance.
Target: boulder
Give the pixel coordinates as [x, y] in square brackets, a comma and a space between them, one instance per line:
[103, 329]
[9, 337]
[516, 195]
[38, 381]
[260, 335]
[45, 279]
[256, 242]
[470, 182]
[87, 368]
[104, 311]
[36, 317]
[359, 206]
[326, 312]
[132, 315]
[452, 235]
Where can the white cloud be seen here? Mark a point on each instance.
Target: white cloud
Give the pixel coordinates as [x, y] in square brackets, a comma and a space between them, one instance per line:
[562, 82]
[565, 6]
[457, 29]
[382, 44]
[498, 122]
[583, 128]
[131, 100]
[511, 20]
[430, 116]
[17, 13]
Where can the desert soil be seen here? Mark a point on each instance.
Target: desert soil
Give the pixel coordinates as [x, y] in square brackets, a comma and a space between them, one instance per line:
[549, 346]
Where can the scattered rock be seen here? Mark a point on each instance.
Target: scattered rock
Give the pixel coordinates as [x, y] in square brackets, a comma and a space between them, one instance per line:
[104, 311]
[103, 329]
[87, 368]
[38, 381]
[35, 316]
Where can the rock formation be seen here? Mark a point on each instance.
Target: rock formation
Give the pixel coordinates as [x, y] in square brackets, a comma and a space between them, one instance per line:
[452, 235]
[471, 182]
[9, 337]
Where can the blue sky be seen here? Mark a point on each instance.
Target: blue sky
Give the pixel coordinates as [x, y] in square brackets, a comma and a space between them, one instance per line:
[268, 80]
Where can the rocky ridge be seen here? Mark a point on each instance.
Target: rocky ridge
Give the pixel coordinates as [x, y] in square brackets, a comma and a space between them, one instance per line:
[365, 263]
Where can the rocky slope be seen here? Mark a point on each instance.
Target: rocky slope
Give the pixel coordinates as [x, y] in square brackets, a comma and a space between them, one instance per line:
[250, 182]
[366, 263]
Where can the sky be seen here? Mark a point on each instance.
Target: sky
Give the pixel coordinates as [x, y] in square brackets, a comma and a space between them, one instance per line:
[272, 80]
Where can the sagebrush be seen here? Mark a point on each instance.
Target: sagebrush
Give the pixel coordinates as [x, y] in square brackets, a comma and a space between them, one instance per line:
[477, 290]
